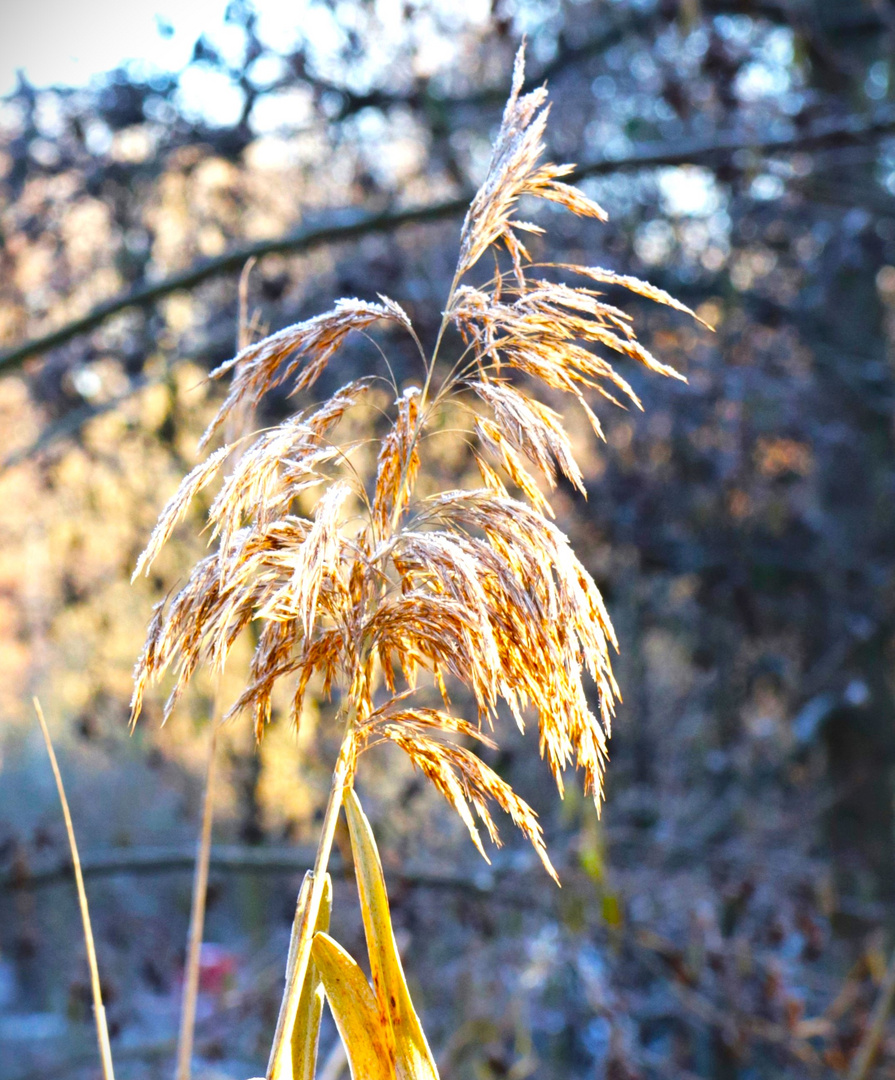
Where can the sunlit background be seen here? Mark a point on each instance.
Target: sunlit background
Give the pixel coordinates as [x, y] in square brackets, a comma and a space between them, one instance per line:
[731, 914]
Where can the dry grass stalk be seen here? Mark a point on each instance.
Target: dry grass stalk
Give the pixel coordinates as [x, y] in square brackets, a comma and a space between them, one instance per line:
[380, 586]
[99, 1011]
[191, 973]
[190, 995]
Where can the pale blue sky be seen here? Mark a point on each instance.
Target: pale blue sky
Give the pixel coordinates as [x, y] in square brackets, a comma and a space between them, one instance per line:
[68, 41]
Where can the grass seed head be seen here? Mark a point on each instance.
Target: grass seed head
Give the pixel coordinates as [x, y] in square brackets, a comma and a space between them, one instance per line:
[476, 588]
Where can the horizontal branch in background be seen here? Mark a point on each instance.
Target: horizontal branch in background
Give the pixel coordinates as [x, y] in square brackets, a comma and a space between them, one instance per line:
[344, 225]
[353, 224]
[159, 860]
[855, 23]
[234, 859]
[242, 859]
[567, 55]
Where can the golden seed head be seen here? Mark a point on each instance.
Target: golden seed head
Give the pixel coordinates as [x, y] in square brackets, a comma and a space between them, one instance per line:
[476, 588]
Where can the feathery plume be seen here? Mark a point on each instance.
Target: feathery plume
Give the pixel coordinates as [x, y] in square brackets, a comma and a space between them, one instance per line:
[388, 597]
[274, 359]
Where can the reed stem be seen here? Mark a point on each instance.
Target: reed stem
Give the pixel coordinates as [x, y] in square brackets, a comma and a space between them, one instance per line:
[197, 920]
[280, 1054]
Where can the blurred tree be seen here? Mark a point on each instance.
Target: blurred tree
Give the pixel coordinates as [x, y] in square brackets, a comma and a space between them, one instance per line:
[742, 530]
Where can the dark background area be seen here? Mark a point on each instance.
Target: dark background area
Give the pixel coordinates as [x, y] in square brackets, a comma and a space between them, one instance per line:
[731, 915]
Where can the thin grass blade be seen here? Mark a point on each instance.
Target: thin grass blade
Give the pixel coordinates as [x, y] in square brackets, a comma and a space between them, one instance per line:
[99, 1011]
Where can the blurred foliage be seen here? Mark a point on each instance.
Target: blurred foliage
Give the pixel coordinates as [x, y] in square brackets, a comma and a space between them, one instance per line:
[729, 915]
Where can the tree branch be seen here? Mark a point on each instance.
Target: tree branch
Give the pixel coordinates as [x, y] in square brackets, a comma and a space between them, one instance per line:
[225, 858]
[160, 860]
[352, 224]
[825, 134]
[566, 56]
[344, 225]
[856, 22]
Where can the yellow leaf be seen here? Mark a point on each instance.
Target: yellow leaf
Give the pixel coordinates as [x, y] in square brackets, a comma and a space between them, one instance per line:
[413, 1058]
[354, 1010]
[306, 1031]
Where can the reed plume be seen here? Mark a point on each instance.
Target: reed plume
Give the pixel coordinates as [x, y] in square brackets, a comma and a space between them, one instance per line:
[386, 595]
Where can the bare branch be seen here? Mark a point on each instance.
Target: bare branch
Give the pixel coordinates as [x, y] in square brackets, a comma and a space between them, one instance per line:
[352, 224]
[228, 859]
[161, 860]
[344, 225]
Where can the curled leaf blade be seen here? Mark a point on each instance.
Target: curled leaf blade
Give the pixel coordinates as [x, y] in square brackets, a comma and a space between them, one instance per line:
[354, 1010]
[413, 1058]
